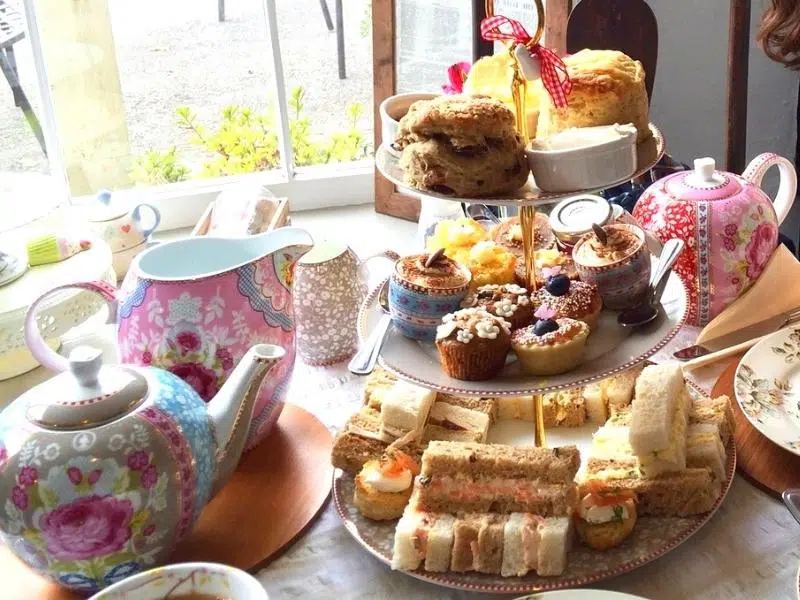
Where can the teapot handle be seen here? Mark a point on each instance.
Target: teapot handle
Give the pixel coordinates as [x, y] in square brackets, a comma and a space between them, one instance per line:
[755, 171]
[137, 218]
[33, 338]
[364, 264]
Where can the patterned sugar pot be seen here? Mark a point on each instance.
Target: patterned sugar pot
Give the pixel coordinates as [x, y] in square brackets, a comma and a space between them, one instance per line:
[728, 223]
[104, 469]
[194, 307]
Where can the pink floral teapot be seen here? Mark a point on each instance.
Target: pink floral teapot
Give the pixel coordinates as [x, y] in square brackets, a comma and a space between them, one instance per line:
[105, 468]
[728, 223]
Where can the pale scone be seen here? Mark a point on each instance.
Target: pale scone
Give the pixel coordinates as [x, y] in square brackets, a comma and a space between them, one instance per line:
[607, 87]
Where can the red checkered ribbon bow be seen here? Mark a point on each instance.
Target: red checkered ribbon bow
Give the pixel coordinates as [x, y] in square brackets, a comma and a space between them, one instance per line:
[554, 72]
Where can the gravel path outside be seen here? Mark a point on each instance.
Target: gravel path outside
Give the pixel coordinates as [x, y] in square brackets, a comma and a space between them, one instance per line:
[175, 52]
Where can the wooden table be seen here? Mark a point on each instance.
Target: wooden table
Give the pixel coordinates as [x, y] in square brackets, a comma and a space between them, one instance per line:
[749, 551]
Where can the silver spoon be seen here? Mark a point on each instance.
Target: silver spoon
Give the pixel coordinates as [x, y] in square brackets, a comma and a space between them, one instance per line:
[648, 310]
[364, 361]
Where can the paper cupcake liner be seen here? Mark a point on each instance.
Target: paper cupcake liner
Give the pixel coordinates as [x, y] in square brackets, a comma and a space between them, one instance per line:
[469, 362]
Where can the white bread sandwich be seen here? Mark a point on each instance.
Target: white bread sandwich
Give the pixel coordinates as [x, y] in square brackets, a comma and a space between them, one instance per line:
[704, 448]
[436, 432]
[619, 388]
[376, 385]
[714, 410]
[563, 409]
[405, 408]
[595, 401]
[484, 405]
[423, 539]
[518, 408]
[469, 477]
[459, 418]
[659, 415]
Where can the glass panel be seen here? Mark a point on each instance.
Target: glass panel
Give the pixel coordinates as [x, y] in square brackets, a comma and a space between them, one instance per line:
[326, 47]
[152, 92]
[430, 35]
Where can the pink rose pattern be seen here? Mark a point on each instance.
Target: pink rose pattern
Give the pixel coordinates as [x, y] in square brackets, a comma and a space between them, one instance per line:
[87, 527]
[760, 248]
[19, 497]
[138, 460]
[201, 378]
[149, 477]
[188, 341]
[28, 476]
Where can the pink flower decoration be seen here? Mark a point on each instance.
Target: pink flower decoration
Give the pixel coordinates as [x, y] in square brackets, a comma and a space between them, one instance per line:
[189, 341]
[544, 313]
[149, 477]
[95, 475]
[202, 379]
[28, 476]
[138, 460]
[19, 497]
[729, 244]
[551, 271]
[760, 247]
[87, 527]
[75, 475]
[456, 76]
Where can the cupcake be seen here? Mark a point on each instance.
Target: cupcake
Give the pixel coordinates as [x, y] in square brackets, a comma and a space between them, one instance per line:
[490, 263]
[509, 234]
[551, 346]
[569, 299]
[473, 344]
[457, 237]
[508, 301]
[547, 259]
[423, 288]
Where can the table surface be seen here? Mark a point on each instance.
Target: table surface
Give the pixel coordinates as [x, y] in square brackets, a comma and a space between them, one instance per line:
[749, 549]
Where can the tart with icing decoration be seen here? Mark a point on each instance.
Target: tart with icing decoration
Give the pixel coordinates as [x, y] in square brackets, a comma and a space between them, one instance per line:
[473, 344]
[569, 299]
[551, 346]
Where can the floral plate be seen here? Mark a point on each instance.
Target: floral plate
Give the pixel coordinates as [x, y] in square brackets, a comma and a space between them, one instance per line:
[651, 538]
[648, 153]
[767, 386]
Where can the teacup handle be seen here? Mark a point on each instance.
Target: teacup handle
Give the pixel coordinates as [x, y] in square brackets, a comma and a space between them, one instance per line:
[33, 338]
[758, 167]
[137, 218]
[387, 254]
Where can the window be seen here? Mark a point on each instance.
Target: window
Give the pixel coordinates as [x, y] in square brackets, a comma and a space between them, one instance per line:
[175, 100]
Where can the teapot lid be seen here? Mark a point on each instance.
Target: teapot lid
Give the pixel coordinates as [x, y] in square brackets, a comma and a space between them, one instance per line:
[704, 182]
[104, 209]
[89, 394]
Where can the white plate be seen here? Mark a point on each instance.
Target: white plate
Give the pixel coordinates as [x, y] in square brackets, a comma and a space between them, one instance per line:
[648, 153]
[651, 538]
[767, 386]
[581, 595]
[610, 349]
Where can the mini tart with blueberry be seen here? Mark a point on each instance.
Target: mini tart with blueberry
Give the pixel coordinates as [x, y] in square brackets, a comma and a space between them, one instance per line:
[508, 301]
[473, 344]
[570, 299]
[551, 346]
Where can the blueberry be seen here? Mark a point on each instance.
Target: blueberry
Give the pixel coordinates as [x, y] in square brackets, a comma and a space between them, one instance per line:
[545, 326]
[557, 285]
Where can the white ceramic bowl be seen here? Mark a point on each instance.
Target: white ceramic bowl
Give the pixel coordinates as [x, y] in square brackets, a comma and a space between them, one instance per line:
[583, 159]
[186, 578]
[392, 110]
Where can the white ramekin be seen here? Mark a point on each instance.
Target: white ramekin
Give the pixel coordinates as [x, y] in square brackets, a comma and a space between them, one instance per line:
[594, 165]
[186, 578]
[392, 110]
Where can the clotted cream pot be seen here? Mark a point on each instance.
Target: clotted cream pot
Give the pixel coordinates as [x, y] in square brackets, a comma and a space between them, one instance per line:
[728, 223]
[105, 468]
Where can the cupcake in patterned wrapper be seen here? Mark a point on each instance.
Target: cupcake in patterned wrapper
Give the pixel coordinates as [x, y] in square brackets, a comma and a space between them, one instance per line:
[551, 346]
[508, 301]
[473, 344]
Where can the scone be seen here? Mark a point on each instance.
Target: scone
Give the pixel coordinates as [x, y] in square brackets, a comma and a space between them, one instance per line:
[607, 88]
[437, 166]
[461, 145]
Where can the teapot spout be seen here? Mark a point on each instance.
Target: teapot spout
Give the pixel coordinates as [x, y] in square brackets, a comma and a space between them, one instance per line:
[231, 410]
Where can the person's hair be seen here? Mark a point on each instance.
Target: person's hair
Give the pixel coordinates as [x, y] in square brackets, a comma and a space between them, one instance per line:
[779, 32]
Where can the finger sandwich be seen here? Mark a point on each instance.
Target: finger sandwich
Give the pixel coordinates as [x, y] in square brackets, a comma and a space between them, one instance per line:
[405, 408]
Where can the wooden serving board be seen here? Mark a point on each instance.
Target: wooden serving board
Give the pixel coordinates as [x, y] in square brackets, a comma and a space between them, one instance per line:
[765, 463]
[276, 492]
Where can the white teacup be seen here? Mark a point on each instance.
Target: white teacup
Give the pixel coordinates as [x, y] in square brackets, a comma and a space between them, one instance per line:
[392, 110]
[184, 579]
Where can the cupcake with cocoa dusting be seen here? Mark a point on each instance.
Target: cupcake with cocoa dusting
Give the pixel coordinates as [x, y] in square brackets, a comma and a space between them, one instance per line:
[473, 344]
[509, 301]
[551, 346]
[423, 288]
[569, 299]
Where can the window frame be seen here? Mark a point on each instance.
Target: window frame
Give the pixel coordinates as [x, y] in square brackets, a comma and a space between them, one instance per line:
[182, 204]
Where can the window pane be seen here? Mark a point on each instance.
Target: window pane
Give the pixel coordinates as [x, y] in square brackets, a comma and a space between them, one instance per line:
[155, 91]
[430, 36]
[328, 74]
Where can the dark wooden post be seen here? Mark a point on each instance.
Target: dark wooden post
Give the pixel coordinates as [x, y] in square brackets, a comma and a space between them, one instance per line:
[736, 113]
